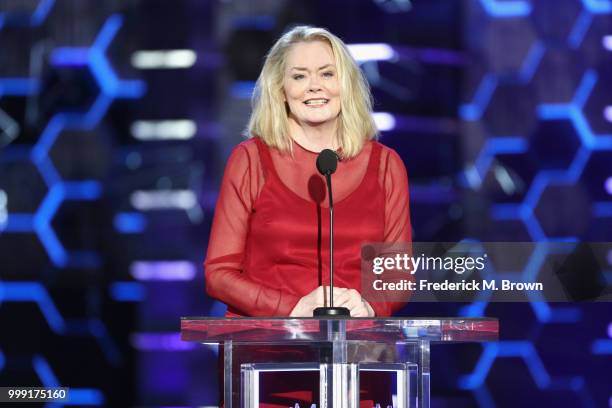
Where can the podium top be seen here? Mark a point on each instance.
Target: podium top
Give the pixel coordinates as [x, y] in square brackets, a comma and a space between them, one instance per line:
[385, 330]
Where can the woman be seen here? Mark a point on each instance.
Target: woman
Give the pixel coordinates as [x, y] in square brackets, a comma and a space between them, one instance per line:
[269, 243]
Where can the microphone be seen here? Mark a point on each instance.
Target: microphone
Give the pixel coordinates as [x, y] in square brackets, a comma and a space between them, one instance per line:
[327, 163]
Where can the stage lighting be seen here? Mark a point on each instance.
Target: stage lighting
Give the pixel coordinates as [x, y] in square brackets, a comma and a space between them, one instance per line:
[372, 52]
[163, 59]
[384, 121]
[177, 270]
[181, 129]
[163, 199]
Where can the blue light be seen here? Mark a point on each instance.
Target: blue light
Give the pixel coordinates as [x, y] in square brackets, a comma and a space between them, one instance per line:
[506, 211]
[535, 262]
[19, 222]
[39, 15]
[540, 308]
[108, 32]
[470, 178]
[566, 315]
[217, 309]
[469, 111]
[553, 111]
[573, 111]
[102, 71]
[575, 169]
[476, 379]
[242, 89]
[47, 171]
[41, 12]
[83, 260]
[85, 396]
[539, 184]
[160, 342]
[34, 292]
[498, 145]
[98, 329]
[68, 56]
[111, 87]
[533, 228]
[130, 223]
[523, 349]
[47, 138]
[97, 111]
[19, 86]
[483, 397]
[535, 366]
[15, 153]
[76, 396]
[44, 372]
[600, 209]
[602, 346]
[127, 291]
[474, 309]
[501, 9]
[82, 190]
[95, 328]
[528, 69]
[545, 314]
[581, 26]
[42, 224]
[589, 79]
[40, 151]
[598, 6]
[474, 110]
[582, 127]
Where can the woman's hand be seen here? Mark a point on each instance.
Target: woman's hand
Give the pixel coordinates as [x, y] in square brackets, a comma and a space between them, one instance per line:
[352, 300]
[314, 299]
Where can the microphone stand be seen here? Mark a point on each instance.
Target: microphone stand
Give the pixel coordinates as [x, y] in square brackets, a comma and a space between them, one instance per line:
[331, 311]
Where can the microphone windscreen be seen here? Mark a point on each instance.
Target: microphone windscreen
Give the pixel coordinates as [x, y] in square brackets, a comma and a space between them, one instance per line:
[327, 162]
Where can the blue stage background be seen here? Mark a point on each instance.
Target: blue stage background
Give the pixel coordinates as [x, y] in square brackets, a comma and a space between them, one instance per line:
[115, 121]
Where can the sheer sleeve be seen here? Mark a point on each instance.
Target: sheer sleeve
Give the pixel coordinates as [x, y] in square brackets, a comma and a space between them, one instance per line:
[394, 180]
[225, 280]
[397, 208]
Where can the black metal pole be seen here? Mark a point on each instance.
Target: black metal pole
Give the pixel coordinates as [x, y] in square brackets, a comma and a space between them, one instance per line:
[331, 241]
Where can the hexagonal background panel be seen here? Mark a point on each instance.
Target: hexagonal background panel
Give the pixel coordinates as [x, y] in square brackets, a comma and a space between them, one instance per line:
[502, 113]
[564, 211]
[507, 43]
[554, 144]
[558, 75]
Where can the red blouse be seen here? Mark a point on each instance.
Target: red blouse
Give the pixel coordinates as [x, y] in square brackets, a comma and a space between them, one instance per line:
[269, 243]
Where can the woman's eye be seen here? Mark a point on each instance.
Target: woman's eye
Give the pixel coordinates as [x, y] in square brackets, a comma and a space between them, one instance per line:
[328, 74]
[298, 76]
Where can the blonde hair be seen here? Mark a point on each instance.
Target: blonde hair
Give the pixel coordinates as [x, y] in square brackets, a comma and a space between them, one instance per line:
[269, 118]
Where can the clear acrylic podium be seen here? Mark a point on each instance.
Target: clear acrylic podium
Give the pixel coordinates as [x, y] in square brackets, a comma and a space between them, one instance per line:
[342, 350]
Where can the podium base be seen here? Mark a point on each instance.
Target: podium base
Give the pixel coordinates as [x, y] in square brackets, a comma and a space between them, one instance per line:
[331, 312]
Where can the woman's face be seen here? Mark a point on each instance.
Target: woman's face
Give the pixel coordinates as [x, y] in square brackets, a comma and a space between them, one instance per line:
[311, 85]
